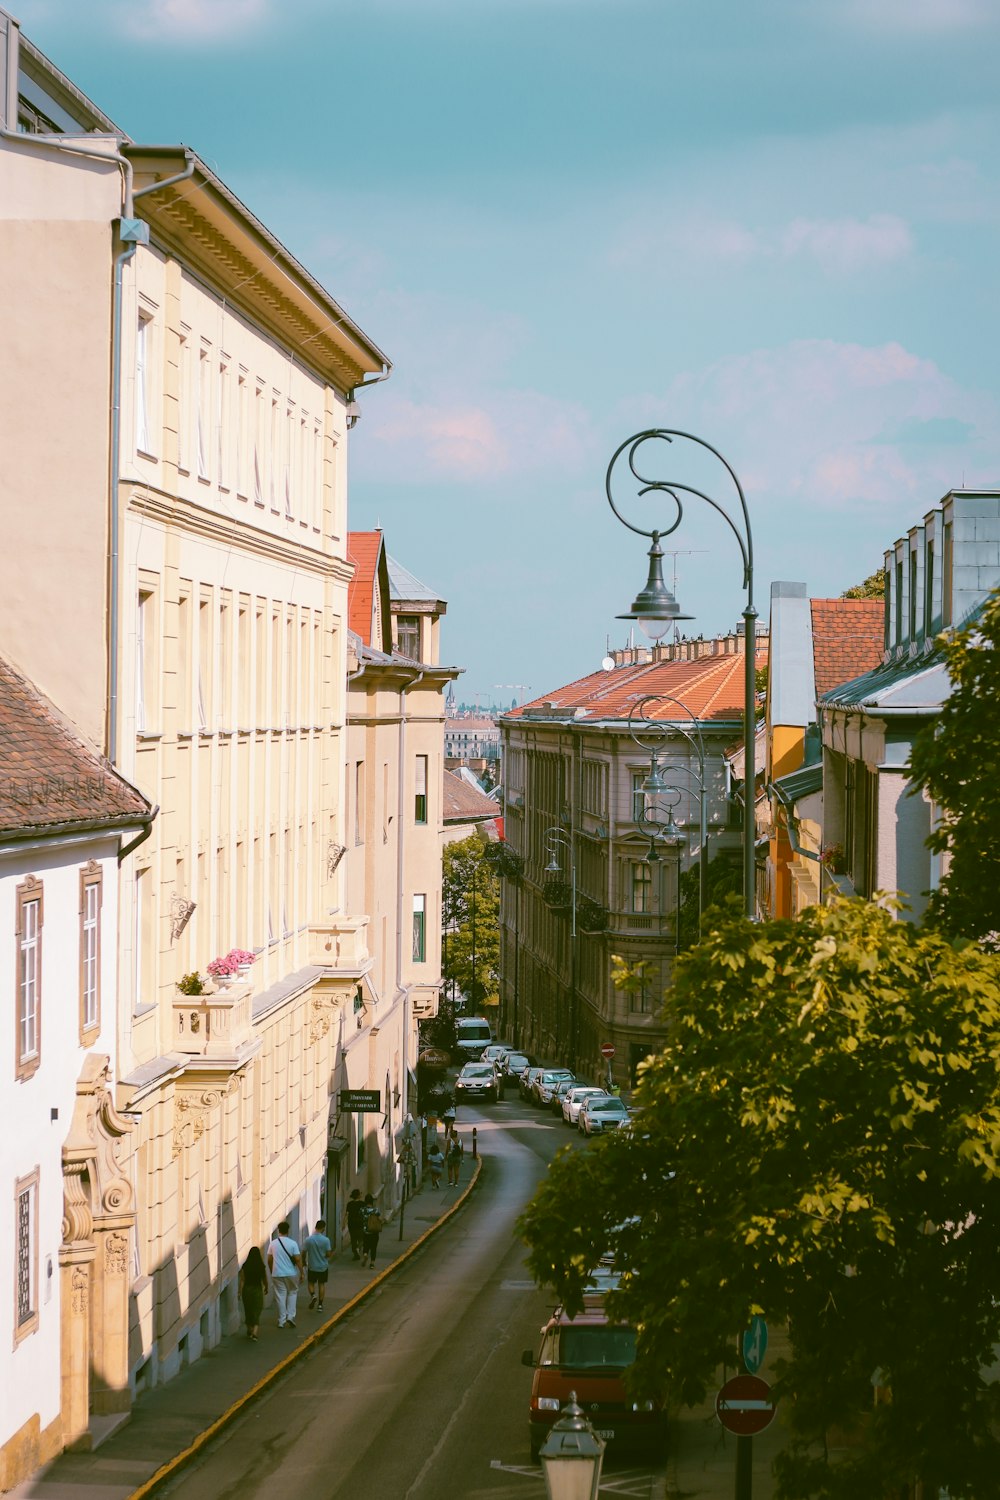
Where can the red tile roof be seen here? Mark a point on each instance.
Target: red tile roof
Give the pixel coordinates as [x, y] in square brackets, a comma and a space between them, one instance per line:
[464, 804]
[49, 777]
[711, 688]
[848, 639]
[363, 550]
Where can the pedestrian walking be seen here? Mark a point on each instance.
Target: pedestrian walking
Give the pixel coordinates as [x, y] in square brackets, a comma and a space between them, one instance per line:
[448, 1120]
[454, 1159]
[373, 1228]
[318, 1253]
[435, 1160]
[284, 1261]
[355, 1220]
[253, 1289]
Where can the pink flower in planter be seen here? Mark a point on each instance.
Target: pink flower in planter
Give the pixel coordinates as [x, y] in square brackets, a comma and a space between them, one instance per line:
[220, 967]
[241, 957]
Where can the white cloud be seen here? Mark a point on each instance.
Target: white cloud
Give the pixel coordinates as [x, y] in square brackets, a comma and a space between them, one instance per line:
[848, 244]
[839, 246]
[453, 438]
[196, 20]
[920, 16]
[806, 425]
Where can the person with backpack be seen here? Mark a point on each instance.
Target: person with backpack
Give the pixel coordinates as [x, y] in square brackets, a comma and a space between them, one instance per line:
[373, 1228]
[454, 1159]
[355, 1218]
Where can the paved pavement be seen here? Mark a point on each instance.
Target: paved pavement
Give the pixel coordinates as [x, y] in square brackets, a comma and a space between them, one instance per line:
[170, 1423]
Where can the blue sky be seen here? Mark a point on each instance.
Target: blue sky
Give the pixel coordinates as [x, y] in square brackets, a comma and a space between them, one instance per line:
[773, 223]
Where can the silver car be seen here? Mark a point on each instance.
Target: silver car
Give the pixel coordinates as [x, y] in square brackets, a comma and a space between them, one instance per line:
[574, 1098]
[598, 1115]
[477, 1080]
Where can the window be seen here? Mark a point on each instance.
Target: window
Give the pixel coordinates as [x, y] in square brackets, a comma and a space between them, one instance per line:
[638, 796]
[204, 662]
[26, 1249]
[947, 563]
[359, 802]
[913, 596]
[408, 636]
[204, 411]
[90, 951]
[142, 352]
[146, 661]
[142, 940]
[420, 791]
[258, 446]
[929, 591]
[222, 417]
[29, 976]
[419, 928]
[184, 404]
[642, 887]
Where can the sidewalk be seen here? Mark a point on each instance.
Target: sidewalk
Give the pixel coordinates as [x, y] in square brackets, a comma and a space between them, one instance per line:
[170, 1423]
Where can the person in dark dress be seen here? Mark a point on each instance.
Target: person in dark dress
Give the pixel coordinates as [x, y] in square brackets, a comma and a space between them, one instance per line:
[356, 1214]
[253, 1290]
[373, 1228]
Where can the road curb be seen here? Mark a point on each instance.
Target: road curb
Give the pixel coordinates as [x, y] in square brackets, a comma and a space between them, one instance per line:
[174, 1465]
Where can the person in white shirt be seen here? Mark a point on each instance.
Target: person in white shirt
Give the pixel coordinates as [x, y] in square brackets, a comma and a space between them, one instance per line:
[284, 1261]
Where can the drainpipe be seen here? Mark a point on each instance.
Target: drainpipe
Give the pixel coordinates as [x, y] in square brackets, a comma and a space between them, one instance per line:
[132, 232]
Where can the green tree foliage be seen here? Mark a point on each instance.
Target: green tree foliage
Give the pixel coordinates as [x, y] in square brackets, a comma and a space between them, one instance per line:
[819, 1142]
[725, 878]
[957, 760]
[872, 588]
[470, 910]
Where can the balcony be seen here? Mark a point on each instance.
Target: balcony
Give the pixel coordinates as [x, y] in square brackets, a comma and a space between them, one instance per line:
[214, 1026]
[341, 947]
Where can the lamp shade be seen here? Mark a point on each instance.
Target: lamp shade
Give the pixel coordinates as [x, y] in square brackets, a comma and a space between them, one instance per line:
[654, 608]
[571, 1456]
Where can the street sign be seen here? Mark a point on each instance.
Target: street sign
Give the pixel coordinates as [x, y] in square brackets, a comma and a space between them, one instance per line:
[607, 1050]
[755, 1344]
[361, 1101]
[744, 1405]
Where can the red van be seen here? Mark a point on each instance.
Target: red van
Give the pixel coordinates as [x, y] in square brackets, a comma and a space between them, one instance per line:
[588, 1355]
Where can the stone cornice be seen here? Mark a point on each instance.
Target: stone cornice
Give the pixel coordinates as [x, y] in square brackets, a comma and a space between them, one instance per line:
[205, 225]
[173, 510]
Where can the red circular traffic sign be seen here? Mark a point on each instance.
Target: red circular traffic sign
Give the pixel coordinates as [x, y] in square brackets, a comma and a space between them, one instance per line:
[744, 1405]
[607, 1050]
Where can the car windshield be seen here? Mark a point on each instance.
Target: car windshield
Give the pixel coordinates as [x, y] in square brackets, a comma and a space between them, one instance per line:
[596, 1347]
[606, 1107]
[477, 1070]
[516, 1062]
[553, 1075]
[473, 1031]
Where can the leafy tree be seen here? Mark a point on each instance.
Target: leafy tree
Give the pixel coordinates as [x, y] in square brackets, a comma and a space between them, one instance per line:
[819, 1142]
[872, 588]
[957, 760]
[725, 878]
[470, 910]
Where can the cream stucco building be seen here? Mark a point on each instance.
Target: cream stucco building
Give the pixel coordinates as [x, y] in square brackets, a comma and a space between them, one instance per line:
[176, 400]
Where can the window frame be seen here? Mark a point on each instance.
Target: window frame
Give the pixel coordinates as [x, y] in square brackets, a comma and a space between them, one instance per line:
[91, 888]
[420, 789]
[30, 893]
[26, 1188]
[419, 927]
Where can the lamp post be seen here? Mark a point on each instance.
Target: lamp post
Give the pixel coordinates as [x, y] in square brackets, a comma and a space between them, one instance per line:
[556, 839]
[571, 1456]
[654, 782]
[655, 608]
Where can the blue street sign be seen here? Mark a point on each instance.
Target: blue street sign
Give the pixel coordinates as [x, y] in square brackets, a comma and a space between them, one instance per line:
[755, 1344]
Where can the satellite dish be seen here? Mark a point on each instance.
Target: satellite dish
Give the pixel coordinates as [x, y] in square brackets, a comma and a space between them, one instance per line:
[608, 664]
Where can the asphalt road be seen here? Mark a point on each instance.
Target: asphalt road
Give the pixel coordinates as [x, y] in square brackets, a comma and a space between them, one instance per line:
[420, 1394]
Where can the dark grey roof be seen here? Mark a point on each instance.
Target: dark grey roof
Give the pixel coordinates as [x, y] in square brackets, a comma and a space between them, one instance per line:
[798, 784]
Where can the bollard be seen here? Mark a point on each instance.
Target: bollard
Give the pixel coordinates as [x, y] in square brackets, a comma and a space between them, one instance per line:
[475, 1144]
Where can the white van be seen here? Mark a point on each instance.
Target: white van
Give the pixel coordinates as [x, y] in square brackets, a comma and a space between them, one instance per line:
[472, 1037]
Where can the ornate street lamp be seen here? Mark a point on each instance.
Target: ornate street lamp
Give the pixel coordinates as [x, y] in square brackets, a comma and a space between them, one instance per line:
[657, 733]
[655, 609]
[571, 1456]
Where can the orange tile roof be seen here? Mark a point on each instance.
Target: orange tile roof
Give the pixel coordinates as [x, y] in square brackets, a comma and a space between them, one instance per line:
[464, 803]
[711, 688]
[848, 639]
[363, 549]
[49, 778]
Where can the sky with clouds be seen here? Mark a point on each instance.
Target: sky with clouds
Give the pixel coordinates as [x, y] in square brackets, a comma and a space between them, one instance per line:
[771, 223]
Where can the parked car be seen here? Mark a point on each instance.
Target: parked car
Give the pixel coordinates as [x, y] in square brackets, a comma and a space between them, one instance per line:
[477, 1080]
[472, 1037]
[511, 1067]
[574, 1097]
[588, 1355]
[526, 1082]
[541, 1089]
[597, 1115]
[558, 1093]
[496, 1052]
